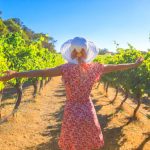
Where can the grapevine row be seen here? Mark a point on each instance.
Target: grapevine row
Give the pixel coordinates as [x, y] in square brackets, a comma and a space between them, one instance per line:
[20, 55]
[135, 81]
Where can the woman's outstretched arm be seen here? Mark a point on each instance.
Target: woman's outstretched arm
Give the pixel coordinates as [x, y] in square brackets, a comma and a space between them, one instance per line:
[50, 72]
[118, 67]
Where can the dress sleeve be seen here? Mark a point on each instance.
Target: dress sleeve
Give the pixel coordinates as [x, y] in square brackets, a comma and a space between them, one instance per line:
[99, 69]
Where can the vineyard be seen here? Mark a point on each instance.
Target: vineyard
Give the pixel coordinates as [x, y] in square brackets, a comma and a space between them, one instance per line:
[23, 51]
[134, 82]
[20, 55]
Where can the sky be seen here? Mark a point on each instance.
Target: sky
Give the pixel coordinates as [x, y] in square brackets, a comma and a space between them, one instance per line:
[100, 21]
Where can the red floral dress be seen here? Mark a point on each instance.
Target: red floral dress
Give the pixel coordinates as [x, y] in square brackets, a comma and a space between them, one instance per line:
[80, 128]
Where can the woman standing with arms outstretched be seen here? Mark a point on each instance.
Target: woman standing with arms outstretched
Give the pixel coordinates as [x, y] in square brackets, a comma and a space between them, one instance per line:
[80, 128]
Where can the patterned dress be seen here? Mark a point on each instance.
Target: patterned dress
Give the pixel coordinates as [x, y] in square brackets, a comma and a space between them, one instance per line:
[80, 128]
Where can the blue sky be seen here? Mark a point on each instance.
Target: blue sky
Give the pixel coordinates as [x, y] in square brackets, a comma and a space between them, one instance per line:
[101, 21]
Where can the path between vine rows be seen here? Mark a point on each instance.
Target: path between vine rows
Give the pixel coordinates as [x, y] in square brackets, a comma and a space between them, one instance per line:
[37, 125]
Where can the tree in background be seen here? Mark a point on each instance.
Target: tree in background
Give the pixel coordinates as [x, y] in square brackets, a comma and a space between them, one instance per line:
[16, 25]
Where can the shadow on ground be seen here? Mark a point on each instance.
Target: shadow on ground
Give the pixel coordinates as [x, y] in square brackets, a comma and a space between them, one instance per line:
[112, 135]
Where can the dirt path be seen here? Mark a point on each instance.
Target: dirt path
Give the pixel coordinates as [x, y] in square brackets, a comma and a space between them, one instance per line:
[37, 124]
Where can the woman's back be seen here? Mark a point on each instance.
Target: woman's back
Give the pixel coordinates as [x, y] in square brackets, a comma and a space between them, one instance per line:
[78, 88]
[80, 127]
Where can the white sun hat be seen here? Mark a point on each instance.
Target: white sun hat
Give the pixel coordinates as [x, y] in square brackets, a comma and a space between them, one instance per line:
[78, 43]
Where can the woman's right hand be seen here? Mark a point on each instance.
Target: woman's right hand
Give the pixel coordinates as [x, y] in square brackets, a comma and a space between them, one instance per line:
[139, 61]
[9, 75]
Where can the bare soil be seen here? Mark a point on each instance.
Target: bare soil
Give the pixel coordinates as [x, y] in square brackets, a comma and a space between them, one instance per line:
[37, 124]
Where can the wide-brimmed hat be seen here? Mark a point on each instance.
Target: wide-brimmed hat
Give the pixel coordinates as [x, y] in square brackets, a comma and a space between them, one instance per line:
[78, 43]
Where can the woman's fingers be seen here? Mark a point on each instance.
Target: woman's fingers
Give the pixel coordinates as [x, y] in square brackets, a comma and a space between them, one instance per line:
[6, 72]
[7, 76]
[9, 72]
[141, 59]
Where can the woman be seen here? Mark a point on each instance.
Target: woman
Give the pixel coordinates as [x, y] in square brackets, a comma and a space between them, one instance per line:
[80, 129]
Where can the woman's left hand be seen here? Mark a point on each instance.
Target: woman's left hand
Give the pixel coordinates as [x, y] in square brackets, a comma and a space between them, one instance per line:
[8, 76]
